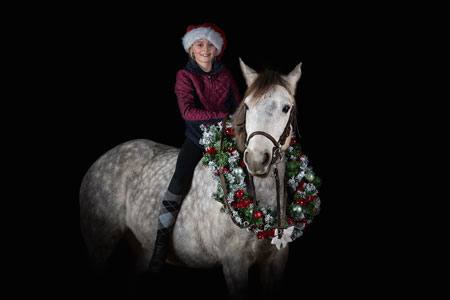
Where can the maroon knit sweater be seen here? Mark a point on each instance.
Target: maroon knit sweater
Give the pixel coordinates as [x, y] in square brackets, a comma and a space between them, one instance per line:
[205, 97]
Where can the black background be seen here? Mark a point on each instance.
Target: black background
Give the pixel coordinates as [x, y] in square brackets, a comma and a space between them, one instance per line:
[112, 74]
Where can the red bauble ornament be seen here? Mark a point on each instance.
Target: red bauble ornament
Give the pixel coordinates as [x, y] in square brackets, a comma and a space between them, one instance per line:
[230, 131]
[258, 214]
[240, 194]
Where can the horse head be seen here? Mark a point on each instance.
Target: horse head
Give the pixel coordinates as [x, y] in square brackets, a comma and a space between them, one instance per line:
[266, 117]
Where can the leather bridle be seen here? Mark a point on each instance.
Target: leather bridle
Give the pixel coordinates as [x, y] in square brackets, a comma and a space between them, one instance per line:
[277, 145]
[276, 156]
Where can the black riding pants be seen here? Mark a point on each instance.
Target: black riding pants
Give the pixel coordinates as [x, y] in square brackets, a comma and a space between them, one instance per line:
[188, 158]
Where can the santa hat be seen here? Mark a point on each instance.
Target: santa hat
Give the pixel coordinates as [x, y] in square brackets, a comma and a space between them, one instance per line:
[207, 31]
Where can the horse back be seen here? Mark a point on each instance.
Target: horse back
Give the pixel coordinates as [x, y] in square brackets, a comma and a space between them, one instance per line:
[123, 188]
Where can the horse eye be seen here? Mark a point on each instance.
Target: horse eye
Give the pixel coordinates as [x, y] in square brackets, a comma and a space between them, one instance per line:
[286, 108]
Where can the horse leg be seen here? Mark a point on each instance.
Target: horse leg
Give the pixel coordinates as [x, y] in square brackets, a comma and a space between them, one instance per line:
[106, 249]
[143, 257]
[236, 277]
[272, 271]
[101, 242]
[139, 257]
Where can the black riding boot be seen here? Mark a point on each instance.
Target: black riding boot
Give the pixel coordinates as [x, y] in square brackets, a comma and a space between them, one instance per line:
[170, 206]
[160, 251]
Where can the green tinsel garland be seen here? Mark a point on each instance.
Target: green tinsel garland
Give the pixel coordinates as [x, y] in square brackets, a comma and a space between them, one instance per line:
[303, 202]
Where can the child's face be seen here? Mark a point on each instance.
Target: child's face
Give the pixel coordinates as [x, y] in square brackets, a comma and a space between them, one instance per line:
[204, 51]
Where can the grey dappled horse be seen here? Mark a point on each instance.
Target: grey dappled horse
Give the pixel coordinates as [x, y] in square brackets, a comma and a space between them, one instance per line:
[122, 191]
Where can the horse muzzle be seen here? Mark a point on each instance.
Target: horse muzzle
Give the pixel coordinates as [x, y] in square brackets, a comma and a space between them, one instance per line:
[259, 156]
[257, 162]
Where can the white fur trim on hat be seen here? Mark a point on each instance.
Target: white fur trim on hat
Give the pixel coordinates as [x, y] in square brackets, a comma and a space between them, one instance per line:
[206, 33]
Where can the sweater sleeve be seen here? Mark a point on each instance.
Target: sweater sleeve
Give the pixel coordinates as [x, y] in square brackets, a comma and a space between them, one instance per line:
[184, 91]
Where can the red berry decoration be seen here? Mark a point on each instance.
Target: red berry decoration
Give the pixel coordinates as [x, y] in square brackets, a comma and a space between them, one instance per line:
[211, 150]
[301, 202]
[301, 186]
[304, 222]
[258, 214]
[230, 131]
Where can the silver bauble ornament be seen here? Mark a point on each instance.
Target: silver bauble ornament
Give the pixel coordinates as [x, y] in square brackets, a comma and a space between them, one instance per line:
[238, 171]
[309, 176]
[297, 209]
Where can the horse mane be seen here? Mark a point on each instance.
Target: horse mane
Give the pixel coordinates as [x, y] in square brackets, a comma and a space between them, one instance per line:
[265, 81]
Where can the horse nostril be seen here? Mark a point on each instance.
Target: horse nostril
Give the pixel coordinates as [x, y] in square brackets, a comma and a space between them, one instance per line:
[265, 158]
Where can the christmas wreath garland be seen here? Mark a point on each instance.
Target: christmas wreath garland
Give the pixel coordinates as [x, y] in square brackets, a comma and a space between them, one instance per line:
[303, 202]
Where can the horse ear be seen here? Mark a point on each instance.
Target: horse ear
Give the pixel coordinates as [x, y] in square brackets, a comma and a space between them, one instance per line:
[293, 77]
[249, 73]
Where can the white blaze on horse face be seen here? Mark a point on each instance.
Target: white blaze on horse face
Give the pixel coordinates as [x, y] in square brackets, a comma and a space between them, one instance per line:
[271, 115]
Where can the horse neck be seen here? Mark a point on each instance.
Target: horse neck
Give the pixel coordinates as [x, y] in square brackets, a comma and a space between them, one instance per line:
[265, 188]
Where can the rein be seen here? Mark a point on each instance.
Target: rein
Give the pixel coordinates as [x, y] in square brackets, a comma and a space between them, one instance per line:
[224, 186]
[276, 156]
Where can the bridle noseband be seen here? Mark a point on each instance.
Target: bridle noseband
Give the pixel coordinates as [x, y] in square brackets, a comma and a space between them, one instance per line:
[275, 150]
